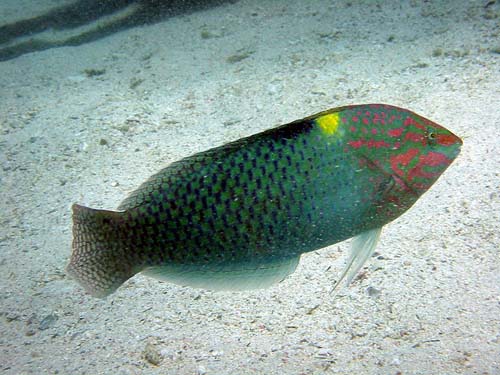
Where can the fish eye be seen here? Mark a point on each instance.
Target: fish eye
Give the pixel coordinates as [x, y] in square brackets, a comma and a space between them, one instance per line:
[431, 136]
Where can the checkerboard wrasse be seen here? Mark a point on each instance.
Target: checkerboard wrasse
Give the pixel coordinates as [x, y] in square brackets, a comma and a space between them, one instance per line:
[240, 216]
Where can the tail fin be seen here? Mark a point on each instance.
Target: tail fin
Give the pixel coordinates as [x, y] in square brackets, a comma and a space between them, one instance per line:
[100, 260]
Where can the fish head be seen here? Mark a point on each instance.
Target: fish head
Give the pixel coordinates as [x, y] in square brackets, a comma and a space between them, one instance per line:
[403, 152]
[411, 149]
[420, 151]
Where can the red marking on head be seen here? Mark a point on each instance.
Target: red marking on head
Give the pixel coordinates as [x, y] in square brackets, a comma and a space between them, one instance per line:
[353, 128]
[356, 144]
[371, 143]
[379, 144]
[434, 159]
[355, 118]
[395, 132]
[409, 121]
[344, 120]
[415, 137]
[374, 131]
[431, 159]
[366, 121]
[403, 159]
[418, 171]
[448, 140]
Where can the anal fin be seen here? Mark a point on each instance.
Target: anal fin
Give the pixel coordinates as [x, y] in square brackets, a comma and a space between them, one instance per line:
[229, 276]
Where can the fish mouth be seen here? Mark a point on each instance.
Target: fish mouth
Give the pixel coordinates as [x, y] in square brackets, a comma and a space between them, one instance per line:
[451, 142]
[457, 149]
[449, 139]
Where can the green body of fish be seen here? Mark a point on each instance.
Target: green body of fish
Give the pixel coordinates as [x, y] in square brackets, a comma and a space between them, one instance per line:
[239, 216]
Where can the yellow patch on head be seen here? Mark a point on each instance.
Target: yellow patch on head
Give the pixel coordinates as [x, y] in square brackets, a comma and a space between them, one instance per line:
[329, 123]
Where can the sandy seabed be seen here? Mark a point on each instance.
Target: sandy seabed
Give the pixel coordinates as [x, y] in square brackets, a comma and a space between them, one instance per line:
[89, 123]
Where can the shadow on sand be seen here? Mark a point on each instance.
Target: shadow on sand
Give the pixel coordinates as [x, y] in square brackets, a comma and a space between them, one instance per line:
[102, 18]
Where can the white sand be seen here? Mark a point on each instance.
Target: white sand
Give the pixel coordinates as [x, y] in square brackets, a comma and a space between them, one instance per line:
[438, 274]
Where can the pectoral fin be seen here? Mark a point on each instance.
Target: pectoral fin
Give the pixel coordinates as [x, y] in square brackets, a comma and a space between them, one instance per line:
[362, 247]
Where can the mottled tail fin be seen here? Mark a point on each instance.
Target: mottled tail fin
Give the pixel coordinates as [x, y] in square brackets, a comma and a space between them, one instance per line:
[100, 261]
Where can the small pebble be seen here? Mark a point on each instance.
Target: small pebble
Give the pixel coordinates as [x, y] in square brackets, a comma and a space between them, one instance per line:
[395, 361]
[324, 352]
[47, 322]
[152, 355]
[11, 317]
[372, 292]
[30, 332]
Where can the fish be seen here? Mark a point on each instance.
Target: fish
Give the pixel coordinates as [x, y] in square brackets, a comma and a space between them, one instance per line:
[240, 216]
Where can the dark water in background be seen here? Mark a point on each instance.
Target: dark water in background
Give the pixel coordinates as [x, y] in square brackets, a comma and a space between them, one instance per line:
[91, 13]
